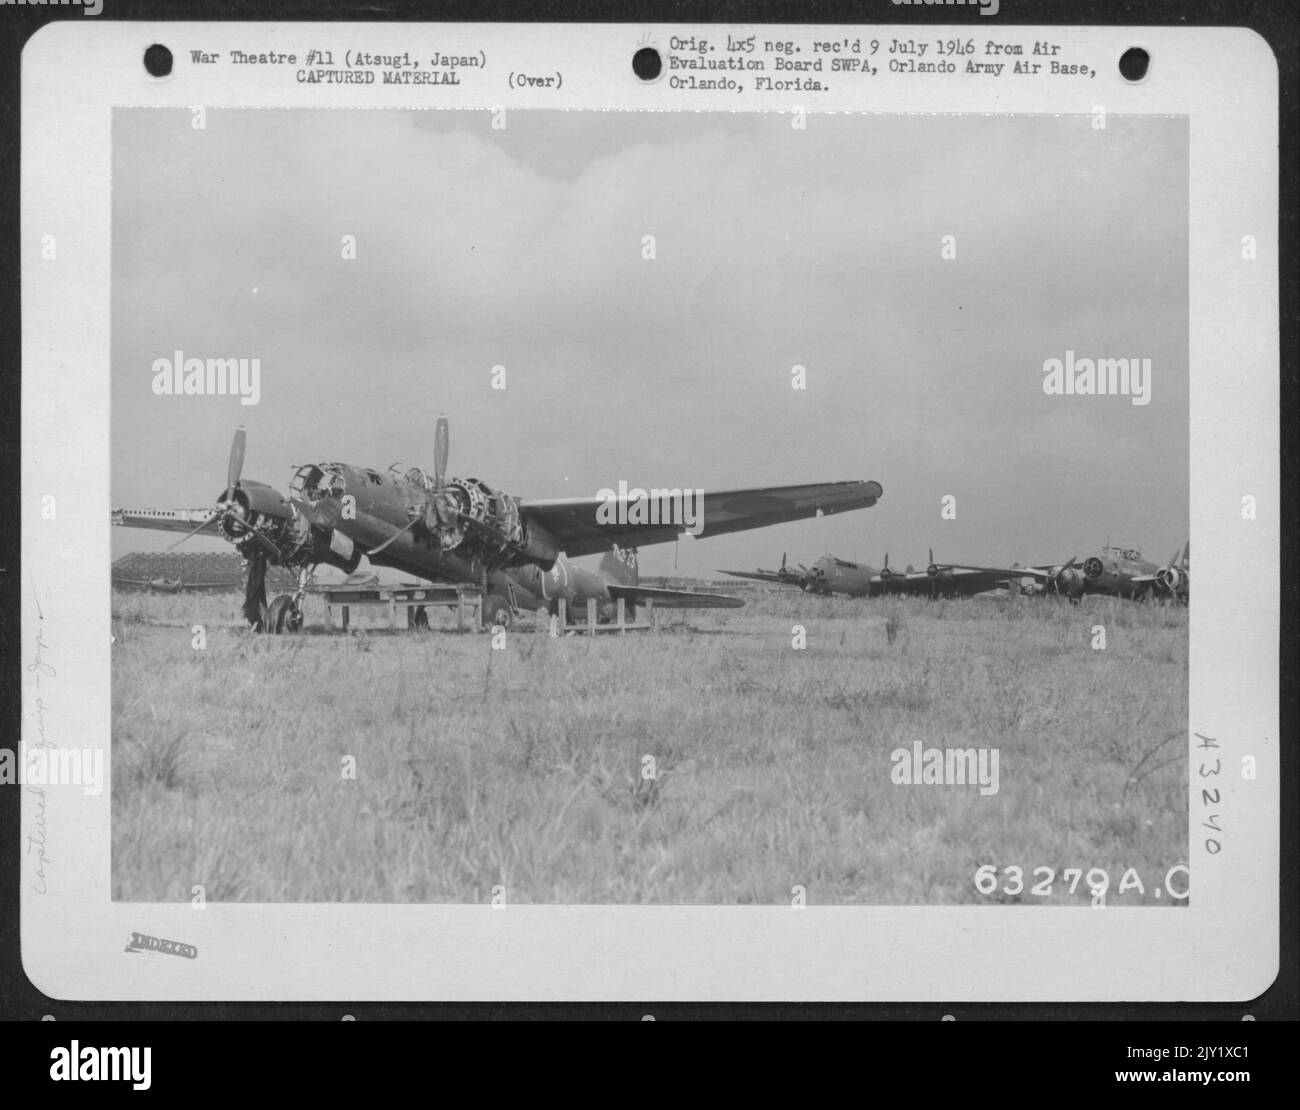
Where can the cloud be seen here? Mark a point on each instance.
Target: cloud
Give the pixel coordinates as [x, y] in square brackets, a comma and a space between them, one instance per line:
[524, 248]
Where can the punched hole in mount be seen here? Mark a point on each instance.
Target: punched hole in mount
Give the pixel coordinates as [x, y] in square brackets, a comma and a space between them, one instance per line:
[647, 64]
[158, 60]
[1133, 64]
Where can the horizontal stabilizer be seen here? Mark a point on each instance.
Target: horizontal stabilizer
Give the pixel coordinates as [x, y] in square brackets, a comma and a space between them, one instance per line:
[674, 599]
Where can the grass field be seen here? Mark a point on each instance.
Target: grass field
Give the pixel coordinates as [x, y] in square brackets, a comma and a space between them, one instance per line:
[522, 768]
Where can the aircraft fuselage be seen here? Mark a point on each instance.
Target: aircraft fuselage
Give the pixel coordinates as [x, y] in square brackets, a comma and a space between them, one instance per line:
[830, 575]
[534, 588]
[1113, 572]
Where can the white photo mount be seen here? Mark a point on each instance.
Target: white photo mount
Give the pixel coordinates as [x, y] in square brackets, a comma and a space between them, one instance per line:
[79, 943]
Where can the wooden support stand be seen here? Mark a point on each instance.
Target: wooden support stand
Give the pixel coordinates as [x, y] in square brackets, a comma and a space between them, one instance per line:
[466, 600]
[591, 625]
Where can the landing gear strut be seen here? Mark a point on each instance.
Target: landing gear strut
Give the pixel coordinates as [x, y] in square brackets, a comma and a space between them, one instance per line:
[497, 610]
[281, 616]
[285, 613]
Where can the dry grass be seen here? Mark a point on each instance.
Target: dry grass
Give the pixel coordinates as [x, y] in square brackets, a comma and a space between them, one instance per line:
[522, 768]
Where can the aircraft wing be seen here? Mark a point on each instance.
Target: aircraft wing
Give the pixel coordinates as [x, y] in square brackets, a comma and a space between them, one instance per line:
[764, 576]
[921, 582]
[165, 520]
[909, 582]
[573, 524]
[673, 599]
[1001, 572]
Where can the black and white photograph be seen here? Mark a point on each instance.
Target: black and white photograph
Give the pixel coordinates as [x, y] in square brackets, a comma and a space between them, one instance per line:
[382, 380]
[619, 512]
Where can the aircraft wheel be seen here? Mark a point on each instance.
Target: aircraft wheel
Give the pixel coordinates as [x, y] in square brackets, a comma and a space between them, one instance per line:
[496, 610]
[281, 616]
[420, 619]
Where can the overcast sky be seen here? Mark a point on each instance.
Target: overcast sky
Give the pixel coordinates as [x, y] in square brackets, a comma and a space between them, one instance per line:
[774, 247]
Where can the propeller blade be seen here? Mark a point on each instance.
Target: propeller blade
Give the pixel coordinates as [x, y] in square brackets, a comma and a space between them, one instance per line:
[932, 555]
[208, 520]
[441, 449]
[234, 468]
[236, 465]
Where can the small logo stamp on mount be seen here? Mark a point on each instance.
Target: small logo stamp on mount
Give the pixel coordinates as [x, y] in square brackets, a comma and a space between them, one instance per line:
[141, 942]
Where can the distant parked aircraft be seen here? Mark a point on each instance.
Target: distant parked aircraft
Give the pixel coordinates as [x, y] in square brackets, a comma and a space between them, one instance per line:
[832, 575]
[828, 575]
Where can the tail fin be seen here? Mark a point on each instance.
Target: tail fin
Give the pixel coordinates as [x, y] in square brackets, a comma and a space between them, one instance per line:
[619, 566]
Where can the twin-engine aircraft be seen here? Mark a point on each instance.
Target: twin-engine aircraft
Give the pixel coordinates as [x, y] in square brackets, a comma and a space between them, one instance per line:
[448, 529]
[832, 575]
[1122, 572]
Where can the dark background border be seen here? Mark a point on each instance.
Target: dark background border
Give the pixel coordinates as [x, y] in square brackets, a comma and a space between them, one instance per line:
[1278, 23]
